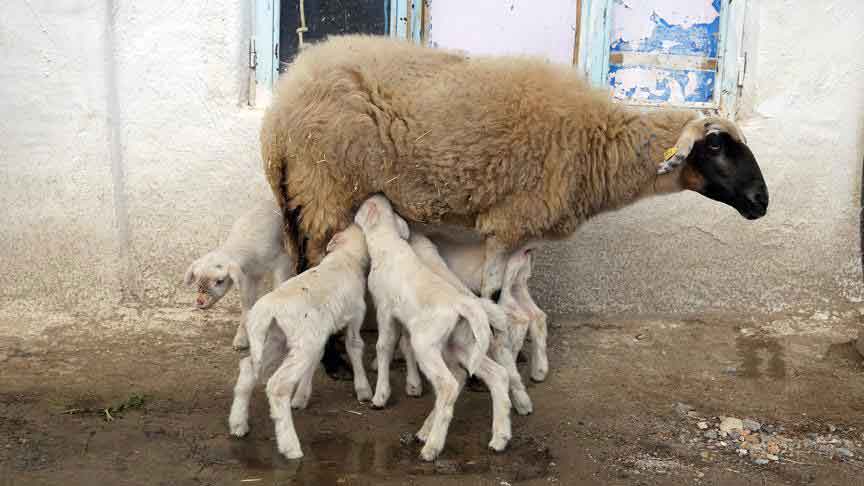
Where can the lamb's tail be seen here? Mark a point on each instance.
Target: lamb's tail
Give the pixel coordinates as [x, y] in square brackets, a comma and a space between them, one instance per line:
[497, 317]
[259, 320]
[476, 316]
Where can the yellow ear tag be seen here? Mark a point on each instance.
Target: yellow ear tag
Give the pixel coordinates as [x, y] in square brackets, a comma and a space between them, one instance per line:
[669, 153]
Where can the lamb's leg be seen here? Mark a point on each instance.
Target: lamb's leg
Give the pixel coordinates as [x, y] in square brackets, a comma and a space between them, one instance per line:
[413, 382]
[446, 389]
[501, 353]
[280, 387]
[461, 376]
[283, 270]
[301, 396]
[354, 344]
[497, 381]
[493, 268]
[387, 335]
[238, 420]
[248, 296]
[537, 326]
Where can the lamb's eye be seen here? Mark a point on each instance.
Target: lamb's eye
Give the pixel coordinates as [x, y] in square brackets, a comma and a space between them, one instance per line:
[220, 281]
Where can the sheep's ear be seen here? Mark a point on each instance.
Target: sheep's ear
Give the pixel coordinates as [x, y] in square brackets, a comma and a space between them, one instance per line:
[190, 275]
[402, 227]
[675, 157]
[237, 275]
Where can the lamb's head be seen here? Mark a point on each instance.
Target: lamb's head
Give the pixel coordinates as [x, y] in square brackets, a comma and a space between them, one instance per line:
[718, 164]
[213, 274]
[351, 241]
[376, 214]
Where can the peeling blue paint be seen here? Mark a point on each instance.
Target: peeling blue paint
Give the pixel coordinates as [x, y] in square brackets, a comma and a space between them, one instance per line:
[659, 85]
[696, 40]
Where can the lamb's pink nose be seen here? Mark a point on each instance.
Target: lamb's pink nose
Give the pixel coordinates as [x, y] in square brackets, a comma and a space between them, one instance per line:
[200, 301]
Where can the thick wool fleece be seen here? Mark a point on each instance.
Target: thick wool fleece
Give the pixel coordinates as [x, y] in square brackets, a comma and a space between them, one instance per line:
[515, 148]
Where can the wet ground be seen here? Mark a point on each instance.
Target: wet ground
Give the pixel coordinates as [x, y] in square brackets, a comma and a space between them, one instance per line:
[627, 402]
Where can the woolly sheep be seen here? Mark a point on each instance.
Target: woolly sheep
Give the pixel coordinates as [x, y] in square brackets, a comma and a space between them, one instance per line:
[253, 249]
[465, 259]
[430, 309]
[290, 326]
[515, 148]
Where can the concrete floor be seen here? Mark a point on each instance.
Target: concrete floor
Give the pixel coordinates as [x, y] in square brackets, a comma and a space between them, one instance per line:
[629, 400]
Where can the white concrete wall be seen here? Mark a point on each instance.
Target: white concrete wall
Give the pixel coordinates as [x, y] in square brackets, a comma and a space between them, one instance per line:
[127, 150]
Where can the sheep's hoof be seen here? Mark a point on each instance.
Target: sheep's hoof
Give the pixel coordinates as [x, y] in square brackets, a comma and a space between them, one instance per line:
[413, 390]
[498, 444]
[239, 429]
[429, 453]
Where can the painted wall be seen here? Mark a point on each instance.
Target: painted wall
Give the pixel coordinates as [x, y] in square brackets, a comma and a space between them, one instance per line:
[127, 150]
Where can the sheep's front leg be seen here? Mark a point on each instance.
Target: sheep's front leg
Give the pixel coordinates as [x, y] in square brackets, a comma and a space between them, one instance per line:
[493, 268]
[387, 335]
[354, 344]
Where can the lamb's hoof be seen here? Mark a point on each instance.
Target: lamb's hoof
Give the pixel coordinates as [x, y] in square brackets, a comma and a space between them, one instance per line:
[299, 403]
[239, 429]
[363, 394]
[539, 376]
[421, 436]
[413, 390]
[291, 453]
[498, 444]
[379, 402]
[429, 453]
[522, 403]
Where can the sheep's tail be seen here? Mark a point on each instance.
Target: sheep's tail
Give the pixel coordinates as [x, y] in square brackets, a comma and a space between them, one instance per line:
[479, 322]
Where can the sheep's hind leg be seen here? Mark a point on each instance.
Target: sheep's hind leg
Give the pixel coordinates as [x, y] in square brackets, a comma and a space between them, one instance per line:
[446, 389]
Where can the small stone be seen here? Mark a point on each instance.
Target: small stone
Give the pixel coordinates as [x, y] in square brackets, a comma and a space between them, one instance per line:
[742, 452]
[734, 435]
[831, 428]
[406, 438]
[760, 461]
[702, 425]
[751, 425]
[769, 428]
[683, 408]
[723, 435]
[731, 370]
[710, 434]
[447, 466]
[728, 424]
[723, 443]
[772, 448]
[772, 457]
[844, 452]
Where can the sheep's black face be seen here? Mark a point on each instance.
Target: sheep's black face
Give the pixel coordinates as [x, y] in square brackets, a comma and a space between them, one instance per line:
[726, 171]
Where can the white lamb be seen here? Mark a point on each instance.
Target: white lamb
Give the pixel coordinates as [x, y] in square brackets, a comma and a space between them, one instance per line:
[466, 259]
[430, 309]
[297, 318]
[500, 349]
[252, 250]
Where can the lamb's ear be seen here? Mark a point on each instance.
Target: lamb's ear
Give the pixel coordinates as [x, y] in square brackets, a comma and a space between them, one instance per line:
[402, 227]
[190, 275]
[675, 157]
